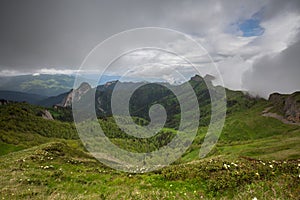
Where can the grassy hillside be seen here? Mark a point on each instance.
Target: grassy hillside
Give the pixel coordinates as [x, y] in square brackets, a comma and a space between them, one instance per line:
[248, 133]
[22, 127]
[256, 156]
[57, 171]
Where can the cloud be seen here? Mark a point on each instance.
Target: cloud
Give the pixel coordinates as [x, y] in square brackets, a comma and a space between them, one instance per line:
[55, 36]
[275, 73]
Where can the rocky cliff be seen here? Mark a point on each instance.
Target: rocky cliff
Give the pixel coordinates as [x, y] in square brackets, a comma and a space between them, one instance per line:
[287, 105]
[78, 93]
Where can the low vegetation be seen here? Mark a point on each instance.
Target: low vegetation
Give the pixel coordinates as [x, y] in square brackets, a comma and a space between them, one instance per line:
[256, 157]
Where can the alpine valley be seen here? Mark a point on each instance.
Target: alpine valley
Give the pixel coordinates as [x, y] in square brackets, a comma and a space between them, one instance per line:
[42, 157]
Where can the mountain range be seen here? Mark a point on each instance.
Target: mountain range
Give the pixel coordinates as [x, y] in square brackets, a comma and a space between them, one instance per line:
[287, 106]
[47, 85]
[257, 152]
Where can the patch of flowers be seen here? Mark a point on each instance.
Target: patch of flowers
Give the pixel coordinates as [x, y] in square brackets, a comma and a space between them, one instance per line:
[221, 175]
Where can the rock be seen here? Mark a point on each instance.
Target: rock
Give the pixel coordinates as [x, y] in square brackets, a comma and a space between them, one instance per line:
[46, 115]
[78, 93]
[292, 109]
[288, 105]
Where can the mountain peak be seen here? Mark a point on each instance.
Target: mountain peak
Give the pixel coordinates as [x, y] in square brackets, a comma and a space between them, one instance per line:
[85, 86]
[196, 78]
[199, 78]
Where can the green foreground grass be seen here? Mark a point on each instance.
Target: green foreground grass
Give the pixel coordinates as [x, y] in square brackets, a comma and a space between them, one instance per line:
[58, 171]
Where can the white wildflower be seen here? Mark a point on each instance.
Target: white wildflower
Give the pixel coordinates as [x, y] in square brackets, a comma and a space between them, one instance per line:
[234, 164]
[226, 166]
[254, 198]
[271, 166]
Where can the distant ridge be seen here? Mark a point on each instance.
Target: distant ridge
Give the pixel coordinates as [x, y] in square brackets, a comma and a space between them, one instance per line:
[20, 96]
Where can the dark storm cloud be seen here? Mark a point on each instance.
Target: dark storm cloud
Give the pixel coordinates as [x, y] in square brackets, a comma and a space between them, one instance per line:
[40, 33]
[58, 34]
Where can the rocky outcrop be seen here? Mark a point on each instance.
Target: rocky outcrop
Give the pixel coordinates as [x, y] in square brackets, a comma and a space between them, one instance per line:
[288, 105]
[292, 109]
[46, 115]
[77, 93]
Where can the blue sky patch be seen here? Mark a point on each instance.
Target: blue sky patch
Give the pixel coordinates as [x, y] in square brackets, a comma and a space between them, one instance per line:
[251, 27]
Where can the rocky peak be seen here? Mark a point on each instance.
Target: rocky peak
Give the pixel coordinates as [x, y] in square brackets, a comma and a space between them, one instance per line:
[208, 78]
[77, 93]
[84, 87]
[197, 78]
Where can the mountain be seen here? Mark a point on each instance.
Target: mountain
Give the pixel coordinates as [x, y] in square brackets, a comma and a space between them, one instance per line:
[48, 84]
[77, 93]
[44, 84]
[21, 96]
[154, 93]
[145, 96]
[254, 150]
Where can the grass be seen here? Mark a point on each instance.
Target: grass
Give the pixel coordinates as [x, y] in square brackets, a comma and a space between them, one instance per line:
[7, 148]
[256, 156]
[58, 171]
[248, 133]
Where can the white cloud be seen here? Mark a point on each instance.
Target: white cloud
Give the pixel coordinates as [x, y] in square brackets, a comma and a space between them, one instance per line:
[275, 73]
[56, 71]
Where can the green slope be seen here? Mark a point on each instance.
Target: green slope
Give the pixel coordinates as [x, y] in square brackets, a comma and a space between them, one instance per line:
[58, 171]
[43, 159]
[22, 127]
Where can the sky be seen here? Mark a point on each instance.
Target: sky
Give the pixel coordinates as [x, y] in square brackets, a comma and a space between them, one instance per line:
[255, 44]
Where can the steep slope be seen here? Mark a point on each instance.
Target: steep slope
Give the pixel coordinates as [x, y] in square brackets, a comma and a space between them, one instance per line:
[77, 93]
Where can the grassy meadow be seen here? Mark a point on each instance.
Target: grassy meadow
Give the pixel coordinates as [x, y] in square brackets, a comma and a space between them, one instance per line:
[255, 156]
